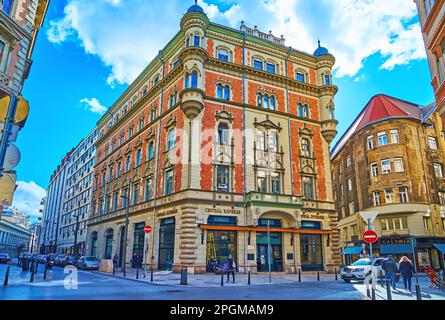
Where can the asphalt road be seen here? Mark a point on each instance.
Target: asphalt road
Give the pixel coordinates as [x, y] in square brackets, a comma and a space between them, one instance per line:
[94, 286]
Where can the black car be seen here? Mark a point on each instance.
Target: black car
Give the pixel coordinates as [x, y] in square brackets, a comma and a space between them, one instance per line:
[69, 261]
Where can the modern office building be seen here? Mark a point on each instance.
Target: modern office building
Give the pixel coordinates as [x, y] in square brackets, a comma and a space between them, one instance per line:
[391, 161]
[223, 137]
[77, 198]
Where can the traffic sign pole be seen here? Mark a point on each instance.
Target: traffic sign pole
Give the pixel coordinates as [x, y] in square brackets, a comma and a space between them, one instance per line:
[370, 245]
[147, 231]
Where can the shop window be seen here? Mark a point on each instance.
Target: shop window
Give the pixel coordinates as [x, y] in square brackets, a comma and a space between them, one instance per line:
[167, 244]
[138, 243]
[220, 244]
[311, 252]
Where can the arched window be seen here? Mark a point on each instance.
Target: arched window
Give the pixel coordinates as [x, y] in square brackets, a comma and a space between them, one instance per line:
[306, 111]
[266, 101]
[223, 133]
[327, 79]
[223, 55]
[331, 113]
[219, 91]
[272, 103]
[196, 40]
[138, 157]
[151, 151]
[300, 76]
[191, 80]
[305, 148]
[300, 110]
[227, 92]
[259, 99]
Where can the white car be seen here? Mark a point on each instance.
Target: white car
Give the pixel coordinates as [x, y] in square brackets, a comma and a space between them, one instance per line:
[360, 269]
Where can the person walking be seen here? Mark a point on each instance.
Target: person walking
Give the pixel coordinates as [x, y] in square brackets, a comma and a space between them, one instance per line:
[231, 267]
[407, 271]
[389, 265]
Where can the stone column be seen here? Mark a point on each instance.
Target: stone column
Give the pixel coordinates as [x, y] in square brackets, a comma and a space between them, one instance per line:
[188, 239]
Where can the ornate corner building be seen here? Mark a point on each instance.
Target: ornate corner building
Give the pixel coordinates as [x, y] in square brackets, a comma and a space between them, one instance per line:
[223, 137]
[432, 21]
[391, 161]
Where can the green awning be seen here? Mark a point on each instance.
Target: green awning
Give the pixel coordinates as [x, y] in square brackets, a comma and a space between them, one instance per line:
[440, 247]
[353, 250]
[396, 249]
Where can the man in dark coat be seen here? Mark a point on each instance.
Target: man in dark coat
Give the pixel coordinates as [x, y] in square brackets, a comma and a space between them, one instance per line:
[231, 267]
[406, 269]
[390, 267]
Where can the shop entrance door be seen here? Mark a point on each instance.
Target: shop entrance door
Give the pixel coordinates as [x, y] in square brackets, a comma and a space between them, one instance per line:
[166, 244]
[276, 258]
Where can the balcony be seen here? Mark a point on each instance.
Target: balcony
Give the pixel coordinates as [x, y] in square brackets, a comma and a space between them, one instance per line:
[5, 82]
[388, 233]
[273, 200]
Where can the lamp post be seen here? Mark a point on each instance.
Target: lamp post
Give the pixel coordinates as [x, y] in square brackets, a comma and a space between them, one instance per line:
[127, 208]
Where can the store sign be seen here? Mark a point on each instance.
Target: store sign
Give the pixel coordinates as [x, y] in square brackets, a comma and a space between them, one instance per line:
[167, 213]
[390, 241]
[222, 211]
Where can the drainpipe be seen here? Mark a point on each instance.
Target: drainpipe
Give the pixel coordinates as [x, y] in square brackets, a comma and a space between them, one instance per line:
[244, 149]
[288, 121]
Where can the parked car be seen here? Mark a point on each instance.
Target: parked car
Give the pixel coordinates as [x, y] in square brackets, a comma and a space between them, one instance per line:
[361, 268]
[59, 259]
[88, 263]
[4, 258]
[69, 261]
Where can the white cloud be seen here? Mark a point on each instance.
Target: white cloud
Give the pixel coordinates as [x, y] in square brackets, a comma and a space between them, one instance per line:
[126, 35]
[27, 198]
[93, 105]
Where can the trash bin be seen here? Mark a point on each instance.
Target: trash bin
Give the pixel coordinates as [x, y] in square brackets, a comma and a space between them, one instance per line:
[184, 276]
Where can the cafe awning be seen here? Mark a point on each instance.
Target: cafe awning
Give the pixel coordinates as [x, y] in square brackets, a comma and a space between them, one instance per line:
[440, 247]
[353, 250]
[396, 249]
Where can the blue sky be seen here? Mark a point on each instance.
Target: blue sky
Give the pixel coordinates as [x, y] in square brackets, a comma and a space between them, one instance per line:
[89, 51]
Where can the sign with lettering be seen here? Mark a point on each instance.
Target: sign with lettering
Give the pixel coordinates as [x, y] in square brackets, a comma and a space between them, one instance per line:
[395, 240]
[222, 211]
[167, 213]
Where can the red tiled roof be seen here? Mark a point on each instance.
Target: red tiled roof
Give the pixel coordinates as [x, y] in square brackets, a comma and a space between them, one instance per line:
[379, 108]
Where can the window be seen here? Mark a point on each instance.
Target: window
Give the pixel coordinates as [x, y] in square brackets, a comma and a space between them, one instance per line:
[438, 170]
[138, 157]
[170, 139]
[261, 182]
[389, 196]
[259, 99]
[258, 64]
[403, 194]
[135, 193]
[176, 63]
[374, 170]
[394, 136]
[125, 198]
[381, 136]
[119, 169]
[441, 195]
[128, 164]
[386, 166]
[168, 186]
[305, 111]
[266, 101]
[331, 113]
[272, 103]
[273, 142]
[152, 115]
[376, 198]
[308, 188]
[350, 184]
[305, 148]
[196, 40]
[260, 145]
[141, 125]
[223, 133]
[426, 223]
[370, 142]
[391, 224]
[191, 80]
[223, 55]
[151, 151]
[327, 79]
[173, 99]
[7, 6]
[115, 200]
[348, 161]
[148, 189]
[300, 110]
[227, 92]
[300, 77]
[398, 165]
[439, 70]
[219, 91]
[351, 208]
[270, 67]
[276, 183]
[222, 178]
[432, 142]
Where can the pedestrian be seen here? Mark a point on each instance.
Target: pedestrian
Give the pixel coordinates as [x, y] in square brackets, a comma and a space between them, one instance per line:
[134, 260]
[407, 271]
[231, 267]
[115, 260]
[389, 265]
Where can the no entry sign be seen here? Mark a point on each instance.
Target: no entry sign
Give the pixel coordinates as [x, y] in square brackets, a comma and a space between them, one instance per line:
[147, 229]
[370, 236]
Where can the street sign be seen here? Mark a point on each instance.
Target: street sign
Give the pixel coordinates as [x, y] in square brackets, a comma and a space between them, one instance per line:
[147, 229]
[370, 236]
[200, 221]
[21, 113]
[369, 215]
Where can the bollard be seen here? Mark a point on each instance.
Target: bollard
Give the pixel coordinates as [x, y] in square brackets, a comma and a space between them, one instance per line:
[45, 271]
[418, 292]
[151, 274]
[299, 275]
[5, 283]
[222, 278]
[248, 278]
[381, 278]
[388, 290]
[318, 275]
[373, 294]
[32, 275]
[137, 273]
[114, 268]
[336, 275]
[183, 276]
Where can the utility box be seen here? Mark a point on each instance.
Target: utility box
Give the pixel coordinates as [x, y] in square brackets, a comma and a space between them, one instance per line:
[184, 276]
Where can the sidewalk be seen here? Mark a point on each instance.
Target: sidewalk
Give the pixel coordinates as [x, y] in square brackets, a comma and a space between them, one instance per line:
[214, 280]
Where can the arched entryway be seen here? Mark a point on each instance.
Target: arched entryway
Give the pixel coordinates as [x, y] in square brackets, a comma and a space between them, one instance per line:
[94, 244]
[108, 244]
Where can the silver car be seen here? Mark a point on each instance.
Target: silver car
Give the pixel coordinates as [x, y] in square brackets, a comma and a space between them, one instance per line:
[88, 263]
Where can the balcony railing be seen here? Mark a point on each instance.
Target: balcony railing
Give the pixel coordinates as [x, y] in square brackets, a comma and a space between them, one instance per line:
[275, 199]
[5, 82]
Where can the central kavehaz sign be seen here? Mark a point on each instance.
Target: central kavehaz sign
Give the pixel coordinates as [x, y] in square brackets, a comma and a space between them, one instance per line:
[222, 211]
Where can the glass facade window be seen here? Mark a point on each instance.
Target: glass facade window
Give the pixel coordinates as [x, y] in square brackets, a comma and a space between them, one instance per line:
[138, 244]
[220, 244]
[222, 178]
[166, 244]
[311, 252]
